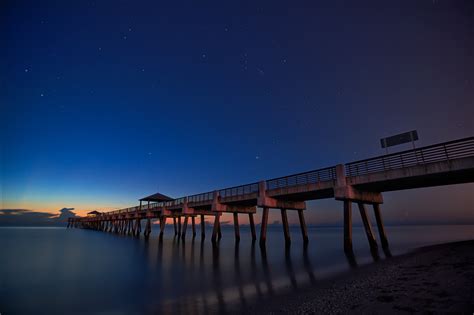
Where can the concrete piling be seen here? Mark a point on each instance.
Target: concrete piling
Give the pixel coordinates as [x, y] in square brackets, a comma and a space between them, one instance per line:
[347, 226]
[367, 226]
[236, 227]
[304, 230]
[215, 229]
[252, 227]
[193, 222]
[380, 226]
[263, 229]
[286, 228]
[203, 227]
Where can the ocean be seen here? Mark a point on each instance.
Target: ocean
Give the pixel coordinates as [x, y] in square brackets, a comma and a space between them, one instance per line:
[64, 271]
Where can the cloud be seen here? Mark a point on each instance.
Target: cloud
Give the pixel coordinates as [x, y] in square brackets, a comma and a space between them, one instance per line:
[23, 217]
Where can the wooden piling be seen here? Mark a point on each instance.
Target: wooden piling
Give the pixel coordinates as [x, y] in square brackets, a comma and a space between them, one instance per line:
[286, 228]
[380, 226]
[304, 230]
[252, 227]
[367, 226]
[236, 227]
[179, 226]
[203, 227]
[263, 231]
[347, 226]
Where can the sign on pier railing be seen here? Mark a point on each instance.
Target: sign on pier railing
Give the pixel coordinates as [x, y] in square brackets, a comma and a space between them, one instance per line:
[401, 138]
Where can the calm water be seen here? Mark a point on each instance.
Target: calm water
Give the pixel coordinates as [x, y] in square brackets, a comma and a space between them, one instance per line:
[57, 270]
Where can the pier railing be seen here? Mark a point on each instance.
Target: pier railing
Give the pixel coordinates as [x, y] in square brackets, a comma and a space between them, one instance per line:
[208, 196]
[239, 190]
[430, 154]
[311, 177]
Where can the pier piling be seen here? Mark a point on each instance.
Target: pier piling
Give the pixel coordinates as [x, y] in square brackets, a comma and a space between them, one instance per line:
[236, 227]
[380, 226]
[263, 230]
[367, 226]
[347, 226]
[215, 229]
[193, 222]
[304, 230]
[203, 227]
[252, 227]
[286, 229]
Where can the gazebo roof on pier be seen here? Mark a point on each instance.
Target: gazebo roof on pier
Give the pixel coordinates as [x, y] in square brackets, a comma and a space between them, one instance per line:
[156, 197]
[93, 213]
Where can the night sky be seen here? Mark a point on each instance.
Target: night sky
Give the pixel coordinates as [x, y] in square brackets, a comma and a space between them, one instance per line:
[104, 102]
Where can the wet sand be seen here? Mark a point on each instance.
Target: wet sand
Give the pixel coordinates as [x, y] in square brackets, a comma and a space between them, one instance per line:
[438, 279]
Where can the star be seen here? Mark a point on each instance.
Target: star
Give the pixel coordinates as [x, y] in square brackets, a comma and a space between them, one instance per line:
[41, 94]
[125, 37]
[26, 70]
[203, 56]
[257, 157]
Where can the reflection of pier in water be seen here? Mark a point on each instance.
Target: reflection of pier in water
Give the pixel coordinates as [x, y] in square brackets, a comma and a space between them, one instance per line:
[361, 182]
[251, 278]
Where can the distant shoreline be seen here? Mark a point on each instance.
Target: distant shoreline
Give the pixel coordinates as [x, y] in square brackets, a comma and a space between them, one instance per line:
[437, 278]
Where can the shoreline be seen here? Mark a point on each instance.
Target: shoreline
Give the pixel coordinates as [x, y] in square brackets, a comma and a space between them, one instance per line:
[437, 278]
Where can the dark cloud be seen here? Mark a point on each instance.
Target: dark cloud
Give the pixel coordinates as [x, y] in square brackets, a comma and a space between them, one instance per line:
[23, 217]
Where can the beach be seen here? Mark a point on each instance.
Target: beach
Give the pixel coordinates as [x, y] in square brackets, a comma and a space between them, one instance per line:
[432, 279]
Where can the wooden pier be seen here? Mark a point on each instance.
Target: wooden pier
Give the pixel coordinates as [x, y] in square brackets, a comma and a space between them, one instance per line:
[361, 182]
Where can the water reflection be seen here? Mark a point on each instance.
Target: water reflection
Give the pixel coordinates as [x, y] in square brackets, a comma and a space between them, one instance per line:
[123, 274]
[236, 285]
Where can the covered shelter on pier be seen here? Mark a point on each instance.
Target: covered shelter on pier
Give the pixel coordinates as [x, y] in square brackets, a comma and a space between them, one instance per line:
[156, 198]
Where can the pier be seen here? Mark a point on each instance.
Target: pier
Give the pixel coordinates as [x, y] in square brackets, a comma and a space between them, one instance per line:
[360, 182]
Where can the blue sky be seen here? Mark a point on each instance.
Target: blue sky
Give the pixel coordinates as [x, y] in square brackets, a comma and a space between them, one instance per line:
[105, 102]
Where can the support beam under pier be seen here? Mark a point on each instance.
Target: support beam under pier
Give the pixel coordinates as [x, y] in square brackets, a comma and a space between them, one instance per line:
[286, 228]
[367, 226]
[193, 223]
[263, 230]
[203, 227]
[162, 226]
[380, 226]
[215, 229]
[252, 227]
[347, 226]
[304, 230]
[236, 227]
[185, 225]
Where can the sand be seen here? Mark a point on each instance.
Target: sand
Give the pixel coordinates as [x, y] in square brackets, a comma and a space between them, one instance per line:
[434, 279]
